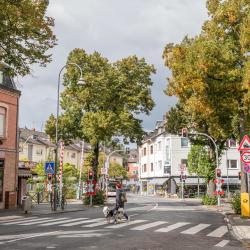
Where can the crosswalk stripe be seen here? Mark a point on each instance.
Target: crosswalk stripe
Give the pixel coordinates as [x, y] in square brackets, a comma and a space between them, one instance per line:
[27, 220]
[60, 222]
[17, 220]
[125, 224]
[172, 227]
[219, 232]
[222, 243]
[80, 222]
[149, 225]
[196, 229]
[41, 221]
[96, 224]
[10, 217]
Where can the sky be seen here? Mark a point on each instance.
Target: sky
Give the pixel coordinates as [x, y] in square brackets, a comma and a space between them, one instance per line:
[116, 29]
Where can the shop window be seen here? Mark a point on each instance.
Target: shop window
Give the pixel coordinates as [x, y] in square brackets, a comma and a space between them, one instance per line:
[2, 122]
[152, 167]
[151, 149]
[1, 179]
[233, 164]
[184, 142]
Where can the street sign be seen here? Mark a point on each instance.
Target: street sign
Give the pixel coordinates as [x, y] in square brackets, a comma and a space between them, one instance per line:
[50, 167]
[246, 167]
[245, 157]
[245, 144]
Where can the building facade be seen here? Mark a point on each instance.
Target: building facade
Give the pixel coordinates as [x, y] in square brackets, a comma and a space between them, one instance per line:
[9, 110]
[162, 155]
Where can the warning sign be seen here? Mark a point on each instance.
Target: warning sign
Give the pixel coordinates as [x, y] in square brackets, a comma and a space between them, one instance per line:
[245, 144]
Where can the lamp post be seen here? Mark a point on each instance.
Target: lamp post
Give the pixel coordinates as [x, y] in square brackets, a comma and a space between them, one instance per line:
[80, 82]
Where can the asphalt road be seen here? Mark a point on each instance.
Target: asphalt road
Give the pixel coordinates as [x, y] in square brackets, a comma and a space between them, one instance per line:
[155, 224]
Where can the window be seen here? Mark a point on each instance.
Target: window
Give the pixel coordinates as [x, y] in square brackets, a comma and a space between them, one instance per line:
[144, 151]
[151, 149]
[73, 155]
[1, 77]
[159, 146]
[232, 143]
[160, 165]
[184, 142]
[152, 167]
[39, 151]
[1, 179]
[144, 168]
[2, 121]
[167, 153]
[232, 164]
[167, 169]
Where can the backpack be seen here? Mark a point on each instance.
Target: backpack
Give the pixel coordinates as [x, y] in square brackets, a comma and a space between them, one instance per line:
[123, 197]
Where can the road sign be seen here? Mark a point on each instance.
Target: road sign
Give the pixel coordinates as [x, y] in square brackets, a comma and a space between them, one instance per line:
[50, 167]
[245, 144]
[246, 167]
[245, 157]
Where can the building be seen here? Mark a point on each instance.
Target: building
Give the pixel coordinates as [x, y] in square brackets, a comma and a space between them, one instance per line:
[133, 167]
[9, 110]
[162, 155]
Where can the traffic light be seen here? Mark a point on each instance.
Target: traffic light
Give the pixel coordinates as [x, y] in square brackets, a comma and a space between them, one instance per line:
[239, 175]
[49, 177]
[184, 132]
[90, 175]
[218, 172]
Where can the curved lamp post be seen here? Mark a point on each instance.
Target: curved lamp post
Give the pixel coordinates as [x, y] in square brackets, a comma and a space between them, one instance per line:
[80, 82]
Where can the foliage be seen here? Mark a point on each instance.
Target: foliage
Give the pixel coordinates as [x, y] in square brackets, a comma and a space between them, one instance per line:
[236, 203]
[25, 33]
[39, 169]
[207, 200]
[116, 170]
[109, 102]
[200, 163]
[97, 199]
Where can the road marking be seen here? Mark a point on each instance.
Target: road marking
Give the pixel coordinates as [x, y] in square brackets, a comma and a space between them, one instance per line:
[196, 229]
[16, 220]
[80, 222]
[172, 227]
[219, 232]
[125, 224]
[83, 235]
[156, 205]
[96, 224]
[19, 222]
[41, 221]
[10, 217]
[222, 243]
[149, 225]
[60, 222]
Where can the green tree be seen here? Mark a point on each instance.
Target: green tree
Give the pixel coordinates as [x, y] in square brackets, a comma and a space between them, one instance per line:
[117, 171]
[109, 103]
[25, 34]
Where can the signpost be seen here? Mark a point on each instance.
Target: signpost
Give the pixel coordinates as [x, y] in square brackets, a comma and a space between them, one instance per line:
[50, 167]
[182, 170]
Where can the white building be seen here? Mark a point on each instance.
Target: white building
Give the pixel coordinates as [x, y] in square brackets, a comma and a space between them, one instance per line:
[160, 158]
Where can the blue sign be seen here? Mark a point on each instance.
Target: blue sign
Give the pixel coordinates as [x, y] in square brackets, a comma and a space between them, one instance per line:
[50, 167]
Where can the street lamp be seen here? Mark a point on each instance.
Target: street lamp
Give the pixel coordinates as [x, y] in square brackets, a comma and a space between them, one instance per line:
[80, 82]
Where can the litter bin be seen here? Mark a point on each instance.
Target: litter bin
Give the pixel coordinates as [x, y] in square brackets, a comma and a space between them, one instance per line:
[26, 204]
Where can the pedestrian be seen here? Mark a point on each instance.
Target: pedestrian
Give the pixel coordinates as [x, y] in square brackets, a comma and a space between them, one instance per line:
[121, 198]
[138, 189]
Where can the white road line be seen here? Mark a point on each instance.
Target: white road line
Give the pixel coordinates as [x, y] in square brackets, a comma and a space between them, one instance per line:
[149, 225]
[219, 232]
[222, 243]
[84, 235]
[84, 220]
[156, 205]
[10, 217]
[60, 222]
[172, 227]
[96, 224]
[19, 222]
[196, 229]
[125, 224]
[41, 221]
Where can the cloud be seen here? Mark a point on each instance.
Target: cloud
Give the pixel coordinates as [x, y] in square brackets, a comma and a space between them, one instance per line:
[116, 29]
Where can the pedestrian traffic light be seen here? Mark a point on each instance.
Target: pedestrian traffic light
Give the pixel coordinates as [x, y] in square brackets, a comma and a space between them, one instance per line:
[184, 132]
[239, 175]
[218, 172]
[90, 175]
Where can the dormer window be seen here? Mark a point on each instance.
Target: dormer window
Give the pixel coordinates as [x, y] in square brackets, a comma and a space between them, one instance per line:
[2, 121]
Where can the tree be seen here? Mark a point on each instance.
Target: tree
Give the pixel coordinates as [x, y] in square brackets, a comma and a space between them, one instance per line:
[200, 163]
[25, 34]
[209, 72]
[109, 103]
[117, 171]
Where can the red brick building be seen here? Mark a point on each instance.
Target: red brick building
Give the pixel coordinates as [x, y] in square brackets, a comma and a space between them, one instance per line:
[9, 107]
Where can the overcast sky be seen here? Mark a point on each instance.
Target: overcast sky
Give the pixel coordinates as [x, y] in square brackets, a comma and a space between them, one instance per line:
[116, 29]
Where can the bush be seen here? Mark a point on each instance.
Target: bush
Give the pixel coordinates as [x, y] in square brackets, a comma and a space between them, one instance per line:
[97, 199]
[207, 200]
[236, 203]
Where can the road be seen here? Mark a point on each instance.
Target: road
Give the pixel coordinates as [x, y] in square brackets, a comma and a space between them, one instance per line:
[155, 224]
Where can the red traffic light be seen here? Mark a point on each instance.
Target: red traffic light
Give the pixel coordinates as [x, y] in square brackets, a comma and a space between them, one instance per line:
[218, 172]
[90, 175]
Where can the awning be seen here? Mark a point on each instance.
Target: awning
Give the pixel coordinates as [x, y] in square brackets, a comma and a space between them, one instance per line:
[191, 181]
[157, 181]
[25, 173]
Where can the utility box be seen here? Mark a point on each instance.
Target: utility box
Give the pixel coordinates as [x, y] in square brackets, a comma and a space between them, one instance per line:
[245, 204]
[26, 204]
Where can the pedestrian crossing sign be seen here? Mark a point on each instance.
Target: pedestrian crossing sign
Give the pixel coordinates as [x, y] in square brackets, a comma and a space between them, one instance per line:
[50, 167]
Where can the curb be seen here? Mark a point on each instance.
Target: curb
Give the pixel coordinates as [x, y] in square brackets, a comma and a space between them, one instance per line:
[232, 230]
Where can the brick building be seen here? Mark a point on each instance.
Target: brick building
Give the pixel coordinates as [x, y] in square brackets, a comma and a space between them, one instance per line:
[9, 107]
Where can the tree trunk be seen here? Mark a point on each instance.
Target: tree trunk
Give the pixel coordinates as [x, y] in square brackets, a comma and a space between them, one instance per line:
[210, 188]
[95, 161]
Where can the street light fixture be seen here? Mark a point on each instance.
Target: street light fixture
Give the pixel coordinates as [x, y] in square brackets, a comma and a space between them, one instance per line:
[80, 82]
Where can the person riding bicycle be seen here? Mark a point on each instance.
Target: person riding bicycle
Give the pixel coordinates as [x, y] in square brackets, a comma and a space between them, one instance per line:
[121, 198]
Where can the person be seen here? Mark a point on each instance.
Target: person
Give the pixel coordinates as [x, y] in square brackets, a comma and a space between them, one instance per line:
[138, 189]
[120, 199]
